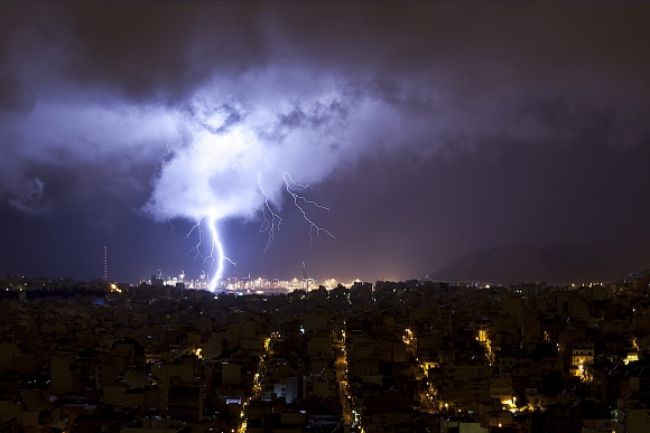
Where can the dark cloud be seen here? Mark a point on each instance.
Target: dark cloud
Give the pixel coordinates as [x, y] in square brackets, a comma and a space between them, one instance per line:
[14, 97]
[163, 50]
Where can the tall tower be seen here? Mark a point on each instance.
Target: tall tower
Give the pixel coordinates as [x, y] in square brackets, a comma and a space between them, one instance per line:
[305, 282]
[105, 273]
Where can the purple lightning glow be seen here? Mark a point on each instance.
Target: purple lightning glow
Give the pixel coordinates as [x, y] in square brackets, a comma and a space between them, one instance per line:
[236, 149]
[271, 224]
[242, 168]
[209, 129]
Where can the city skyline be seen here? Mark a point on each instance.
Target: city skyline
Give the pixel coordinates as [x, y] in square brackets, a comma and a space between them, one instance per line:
[466, 141]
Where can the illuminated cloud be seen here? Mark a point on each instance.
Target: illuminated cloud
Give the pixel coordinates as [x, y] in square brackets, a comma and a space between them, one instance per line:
[238, 157]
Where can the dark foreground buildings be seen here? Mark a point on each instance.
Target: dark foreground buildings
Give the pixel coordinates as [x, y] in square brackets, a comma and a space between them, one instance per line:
[390, 357]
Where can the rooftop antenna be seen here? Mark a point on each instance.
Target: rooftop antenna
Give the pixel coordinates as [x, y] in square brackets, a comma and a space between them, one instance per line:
[105, 272]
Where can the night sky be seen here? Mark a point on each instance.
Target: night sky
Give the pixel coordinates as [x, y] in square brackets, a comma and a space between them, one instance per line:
[430, 131]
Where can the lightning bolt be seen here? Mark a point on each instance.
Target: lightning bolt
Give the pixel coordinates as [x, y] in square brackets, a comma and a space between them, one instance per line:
[217, 247]
[196, 248]
[270, 224]
[271, 218]
[294, 189]
[216, 255]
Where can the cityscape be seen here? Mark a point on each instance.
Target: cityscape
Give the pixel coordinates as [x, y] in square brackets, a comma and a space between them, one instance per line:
[324, 216]
[412, 356]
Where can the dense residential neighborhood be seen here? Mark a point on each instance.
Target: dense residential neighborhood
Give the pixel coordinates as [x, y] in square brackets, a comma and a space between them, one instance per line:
[415, 356]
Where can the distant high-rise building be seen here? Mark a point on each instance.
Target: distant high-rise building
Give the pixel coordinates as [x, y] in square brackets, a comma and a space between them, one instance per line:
[105, 273]
[304, 275]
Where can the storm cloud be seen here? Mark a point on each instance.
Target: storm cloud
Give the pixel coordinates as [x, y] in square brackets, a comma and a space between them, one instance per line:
[203, 108]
